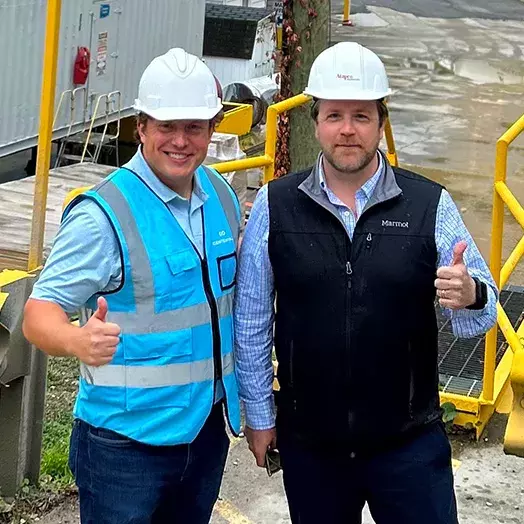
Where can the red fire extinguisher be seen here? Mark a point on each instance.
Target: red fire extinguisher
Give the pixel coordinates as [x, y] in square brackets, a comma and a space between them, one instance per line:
[81, 69]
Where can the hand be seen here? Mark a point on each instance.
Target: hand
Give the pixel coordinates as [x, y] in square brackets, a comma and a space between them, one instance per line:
[455, 287]
[98, 339]
[260, 440]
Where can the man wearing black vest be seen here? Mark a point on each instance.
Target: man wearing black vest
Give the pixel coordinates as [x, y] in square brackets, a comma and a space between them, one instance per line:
[355, 253]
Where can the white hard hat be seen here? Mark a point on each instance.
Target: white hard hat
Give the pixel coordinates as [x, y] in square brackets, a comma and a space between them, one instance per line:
[178, 86]
[348, 71]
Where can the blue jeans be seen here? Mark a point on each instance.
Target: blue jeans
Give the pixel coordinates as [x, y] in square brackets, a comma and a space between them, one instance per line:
[410, 484]
[121, 481]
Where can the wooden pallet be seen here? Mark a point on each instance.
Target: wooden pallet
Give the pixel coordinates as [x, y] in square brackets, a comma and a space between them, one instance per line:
[16, 209]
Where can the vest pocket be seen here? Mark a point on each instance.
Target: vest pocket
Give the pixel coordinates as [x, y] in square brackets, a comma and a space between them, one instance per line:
[227, 271]
[159, 370]
[181, 286]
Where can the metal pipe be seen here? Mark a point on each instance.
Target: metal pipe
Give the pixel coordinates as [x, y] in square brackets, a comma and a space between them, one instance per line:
[507, 329]
[243, 163]
[511, 263]
[513, 204]
[272, 126]
[45, 135]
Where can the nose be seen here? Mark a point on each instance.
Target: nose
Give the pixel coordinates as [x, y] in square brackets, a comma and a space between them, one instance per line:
[347, 127]
[179, 139]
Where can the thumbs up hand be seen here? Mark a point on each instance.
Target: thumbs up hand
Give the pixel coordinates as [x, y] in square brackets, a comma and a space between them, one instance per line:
[455, 287]
[98, 339]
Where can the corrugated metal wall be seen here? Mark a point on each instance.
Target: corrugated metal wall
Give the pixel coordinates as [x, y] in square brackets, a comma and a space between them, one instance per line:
[137, 31]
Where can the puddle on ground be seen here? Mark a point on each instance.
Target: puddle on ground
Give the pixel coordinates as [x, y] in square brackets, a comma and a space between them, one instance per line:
[479, 71]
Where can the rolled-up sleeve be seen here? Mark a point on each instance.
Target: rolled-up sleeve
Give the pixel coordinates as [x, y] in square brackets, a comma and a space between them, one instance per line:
[84, 259]
[253, 317]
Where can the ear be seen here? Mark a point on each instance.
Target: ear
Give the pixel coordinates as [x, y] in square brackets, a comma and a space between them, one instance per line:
[315, 123]
[382, 129]
[141, 130]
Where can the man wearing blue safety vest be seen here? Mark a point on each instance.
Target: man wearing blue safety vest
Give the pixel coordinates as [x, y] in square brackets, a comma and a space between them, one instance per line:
[355, 252]
[149, 258]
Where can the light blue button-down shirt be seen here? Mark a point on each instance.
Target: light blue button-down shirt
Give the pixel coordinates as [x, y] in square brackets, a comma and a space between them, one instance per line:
[255, 293]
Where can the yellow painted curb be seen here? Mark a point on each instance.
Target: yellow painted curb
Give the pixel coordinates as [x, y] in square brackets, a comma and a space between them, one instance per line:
[230, 513]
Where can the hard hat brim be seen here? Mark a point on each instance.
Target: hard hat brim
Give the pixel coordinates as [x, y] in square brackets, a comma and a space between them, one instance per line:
[353, 95]
[179, 113]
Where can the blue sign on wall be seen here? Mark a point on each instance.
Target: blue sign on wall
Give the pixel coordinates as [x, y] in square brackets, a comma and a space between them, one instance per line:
[104, 10]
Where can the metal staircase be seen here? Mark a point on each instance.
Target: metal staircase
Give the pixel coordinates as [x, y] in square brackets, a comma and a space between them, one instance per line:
[93, 142]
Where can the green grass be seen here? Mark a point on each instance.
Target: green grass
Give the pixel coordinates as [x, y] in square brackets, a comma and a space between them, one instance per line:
[56, 480]
[62, 383]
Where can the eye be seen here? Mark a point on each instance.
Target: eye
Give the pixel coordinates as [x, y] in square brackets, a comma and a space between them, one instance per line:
[165, 127]
[196, 127]
[361, 117]
[333, 116]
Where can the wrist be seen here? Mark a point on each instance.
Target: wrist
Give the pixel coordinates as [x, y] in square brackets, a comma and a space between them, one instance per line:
[480, 295]
[70, 341]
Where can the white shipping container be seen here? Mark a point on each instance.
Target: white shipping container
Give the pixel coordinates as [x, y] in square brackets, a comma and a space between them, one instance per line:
[122, 36]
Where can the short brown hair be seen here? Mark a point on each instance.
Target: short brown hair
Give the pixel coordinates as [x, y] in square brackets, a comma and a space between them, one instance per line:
[142, 119]
[382, 108]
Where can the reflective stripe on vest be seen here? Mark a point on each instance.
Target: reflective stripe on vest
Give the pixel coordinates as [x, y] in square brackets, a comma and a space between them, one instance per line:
[155, 376]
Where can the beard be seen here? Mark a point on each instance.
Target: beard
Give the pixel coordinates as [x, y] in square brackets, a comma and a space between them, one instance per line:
[353, 164]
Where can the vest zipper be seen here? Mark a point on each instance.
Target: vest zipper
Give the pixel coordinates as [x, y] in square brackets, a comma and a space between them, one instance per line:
[368, 241]
[349, 273]
[217, 346]
[215, 327]
[215, 324]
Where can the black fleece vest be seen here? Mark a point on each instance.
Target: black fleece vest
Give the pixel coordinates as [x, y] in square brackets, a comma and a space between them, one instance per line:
[355, 327]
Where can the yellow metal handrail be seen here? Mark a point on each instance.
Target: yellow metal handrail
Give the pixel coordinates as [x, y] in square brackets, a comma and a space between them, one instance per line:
[502, 195]
[267, 160]
[492, 388]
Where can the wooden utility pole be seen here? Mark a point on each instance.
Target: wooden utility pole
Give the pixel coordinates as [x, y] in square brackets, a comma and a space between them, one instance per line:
[307, 34]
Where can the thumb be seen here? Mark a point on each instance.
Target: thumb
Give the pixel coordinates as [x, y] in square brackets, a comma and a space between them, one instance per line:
[101, 312]
[458, 253]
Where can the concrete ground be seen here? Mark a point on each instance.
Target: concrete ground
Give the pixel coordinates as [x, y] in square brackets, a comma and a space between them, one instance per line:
[488, 484]
[457, 73]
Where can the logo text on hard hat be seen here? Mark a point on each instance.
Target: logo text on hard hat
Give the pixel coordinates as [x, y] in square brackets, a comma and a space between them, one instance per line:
[343, 76]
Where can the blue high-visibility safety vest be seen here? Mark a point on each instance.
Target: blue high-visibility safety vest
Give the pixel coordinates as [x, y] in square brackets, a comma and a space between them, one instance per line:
[174, 308]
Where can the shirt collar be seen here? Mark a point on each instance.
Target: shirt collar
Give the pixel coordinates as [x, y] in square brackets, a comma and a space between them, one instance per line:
[139, 165]
[367, 188]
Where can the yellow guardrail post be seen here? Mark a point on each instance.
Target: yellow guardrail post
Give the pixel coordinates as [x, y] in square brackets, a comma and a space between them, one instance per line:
[272, 129]
[279, 23]
[45, 135]
[347, 10]
[390, 141]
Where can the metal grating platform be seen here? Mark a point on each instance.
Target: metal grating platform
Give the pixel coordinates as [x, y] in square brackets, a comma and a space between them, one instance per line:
[461, 360]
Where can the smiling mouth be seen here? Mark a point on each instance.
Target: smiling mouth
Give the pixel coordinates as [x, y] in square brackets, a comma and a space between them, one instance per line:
[179, 157]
